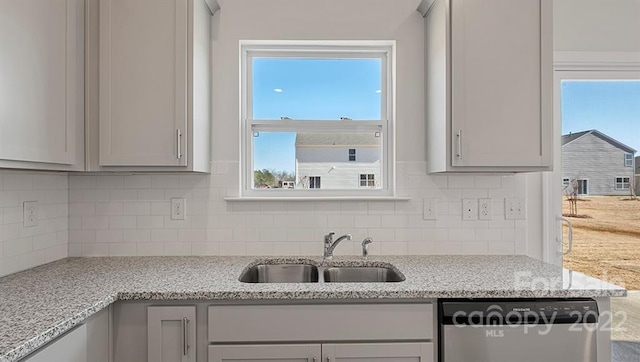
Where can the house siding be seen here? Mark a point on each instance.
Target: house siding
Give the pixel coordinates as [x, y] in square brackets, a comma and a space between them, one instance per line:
[333, 167]
[598, 161]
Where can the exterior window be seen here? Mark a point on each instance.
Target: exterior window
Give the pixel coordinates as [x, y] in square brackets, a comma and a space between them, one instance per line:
[367, 180]
[622, 183]
[352, 154]
[314, 182]
[583, 187]
[307, 104]
[566, 182]
[628, 160]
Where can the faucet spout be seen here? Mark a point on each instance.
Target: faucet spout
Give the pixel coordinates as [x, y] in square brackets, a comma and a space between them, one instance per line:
[330, 245]
[365, 246]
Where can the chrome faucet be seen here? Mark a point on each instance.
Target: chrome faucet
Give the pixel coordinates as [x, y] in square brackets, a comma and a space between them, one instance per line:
[329, 244]
[365, 246]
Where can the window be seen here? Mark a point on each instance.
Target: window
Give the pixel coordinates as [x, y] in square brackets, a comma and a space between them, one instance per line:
[622, 183]
[307, 104]
[583, 187]
[314, 182]
[367, 180]
[628, 160]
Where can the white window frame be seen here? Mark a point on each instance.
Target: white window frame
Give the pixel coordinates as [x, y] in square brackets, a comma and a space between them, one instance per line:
[586, 189]
[384, 50]
[622, 188]
[630, 159]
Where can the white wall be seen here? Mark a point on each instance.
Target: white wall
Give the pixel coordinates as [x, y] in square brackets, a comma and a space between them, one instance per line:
[596, 25]
[22, 248]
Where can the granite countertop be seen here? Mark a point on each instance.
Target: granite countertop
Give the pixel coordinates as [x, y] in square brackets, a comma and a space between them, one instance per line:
[39, 304]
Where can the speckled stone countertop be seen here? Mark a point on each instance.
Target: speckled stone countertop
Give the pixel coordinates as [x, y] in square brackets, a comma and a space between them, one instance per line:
[42, 303]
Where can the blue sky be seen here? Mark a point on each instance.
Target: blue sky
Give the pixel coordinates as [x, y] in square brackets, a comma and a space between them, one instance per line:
[611, 107]
[303, 89]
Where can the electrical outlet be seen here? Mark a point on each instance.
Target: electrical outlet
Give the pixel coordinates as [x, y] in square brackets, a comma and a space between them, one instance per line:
[515, 209]
[430, 211]
[178, 209]
[484, 209]
[30, 214]
[469, 209]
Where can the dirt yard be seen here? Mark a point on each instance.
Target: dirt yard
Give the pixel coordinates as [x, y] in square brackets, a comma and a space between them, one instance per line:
[606, 239]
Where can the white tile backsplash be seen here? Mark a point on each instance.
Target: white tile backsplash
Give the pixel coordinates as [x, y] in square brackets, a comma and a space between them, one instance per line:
[102, 215]
[129, 215]
[22, 248]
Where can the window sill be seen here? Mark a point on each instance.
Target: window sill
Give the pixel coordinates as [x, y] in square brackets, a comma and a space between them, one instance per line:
[316, 198]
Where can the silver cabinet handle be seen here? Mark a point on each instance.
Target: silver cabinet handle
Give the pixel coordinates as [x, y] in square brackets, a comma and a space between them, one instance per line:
[459, 140]
[185, 336]
[570, 235]
[179, 143]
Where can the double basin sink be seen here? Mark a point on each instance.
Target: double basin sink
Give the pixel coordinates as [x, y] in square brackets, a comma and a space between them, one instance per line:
[307, 273]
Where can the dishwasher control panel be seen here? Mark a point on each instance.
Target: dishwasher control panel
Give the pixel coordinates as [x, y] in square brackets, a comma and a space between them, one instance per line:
[503, 311]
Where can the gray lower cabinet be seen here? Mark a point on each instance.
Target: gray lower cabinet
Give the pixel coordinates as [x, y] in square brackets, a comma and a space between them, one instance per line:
[88, 342]
[171, 333]
[72, 347]
[378, 352]
[353, 332]
[265, 353]
[337, 352]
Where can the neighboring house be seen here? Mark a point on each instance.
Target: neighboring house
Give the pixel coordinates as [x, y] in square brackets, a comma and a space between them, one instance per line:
[597, 164]
[338, 160]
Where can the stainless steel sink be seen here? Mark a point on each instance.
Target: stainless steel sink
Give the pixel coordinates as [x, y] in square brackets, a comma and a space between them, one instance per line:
[280, 273]
[361, 275]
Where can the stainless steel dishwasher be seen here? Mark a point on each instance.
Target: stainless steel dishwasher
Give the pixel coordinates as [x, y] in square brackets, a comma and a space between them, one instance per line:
[509, 330]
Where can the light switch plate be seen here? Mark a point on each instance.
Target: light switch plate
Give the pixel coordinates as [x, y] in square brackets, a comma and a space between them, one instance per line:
[430, 211]
[469, 209]
[30, 214]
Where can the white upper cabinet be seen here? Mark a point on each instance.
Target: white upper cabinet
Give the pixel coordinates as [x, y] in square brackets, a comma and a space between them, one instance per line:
[42, 84]
[489, 84]
[154, 85]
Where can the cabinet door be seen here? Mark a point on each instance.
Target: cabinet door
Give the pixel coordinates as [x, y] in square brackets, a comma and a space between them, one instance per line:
[72, 347]
[41, 80]
[501, 82]
[143, 82]
[265, 353]
[171, 334]
[378, 352]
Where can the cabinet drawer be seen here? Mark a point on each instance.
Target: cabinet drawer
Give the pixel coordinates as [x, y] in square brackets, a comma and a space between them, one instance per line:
[324, 322]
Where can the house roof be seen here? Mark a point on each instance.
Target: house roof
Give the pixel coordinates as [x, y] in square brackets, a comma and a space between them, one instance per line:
[337, 139]
[568, 138]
